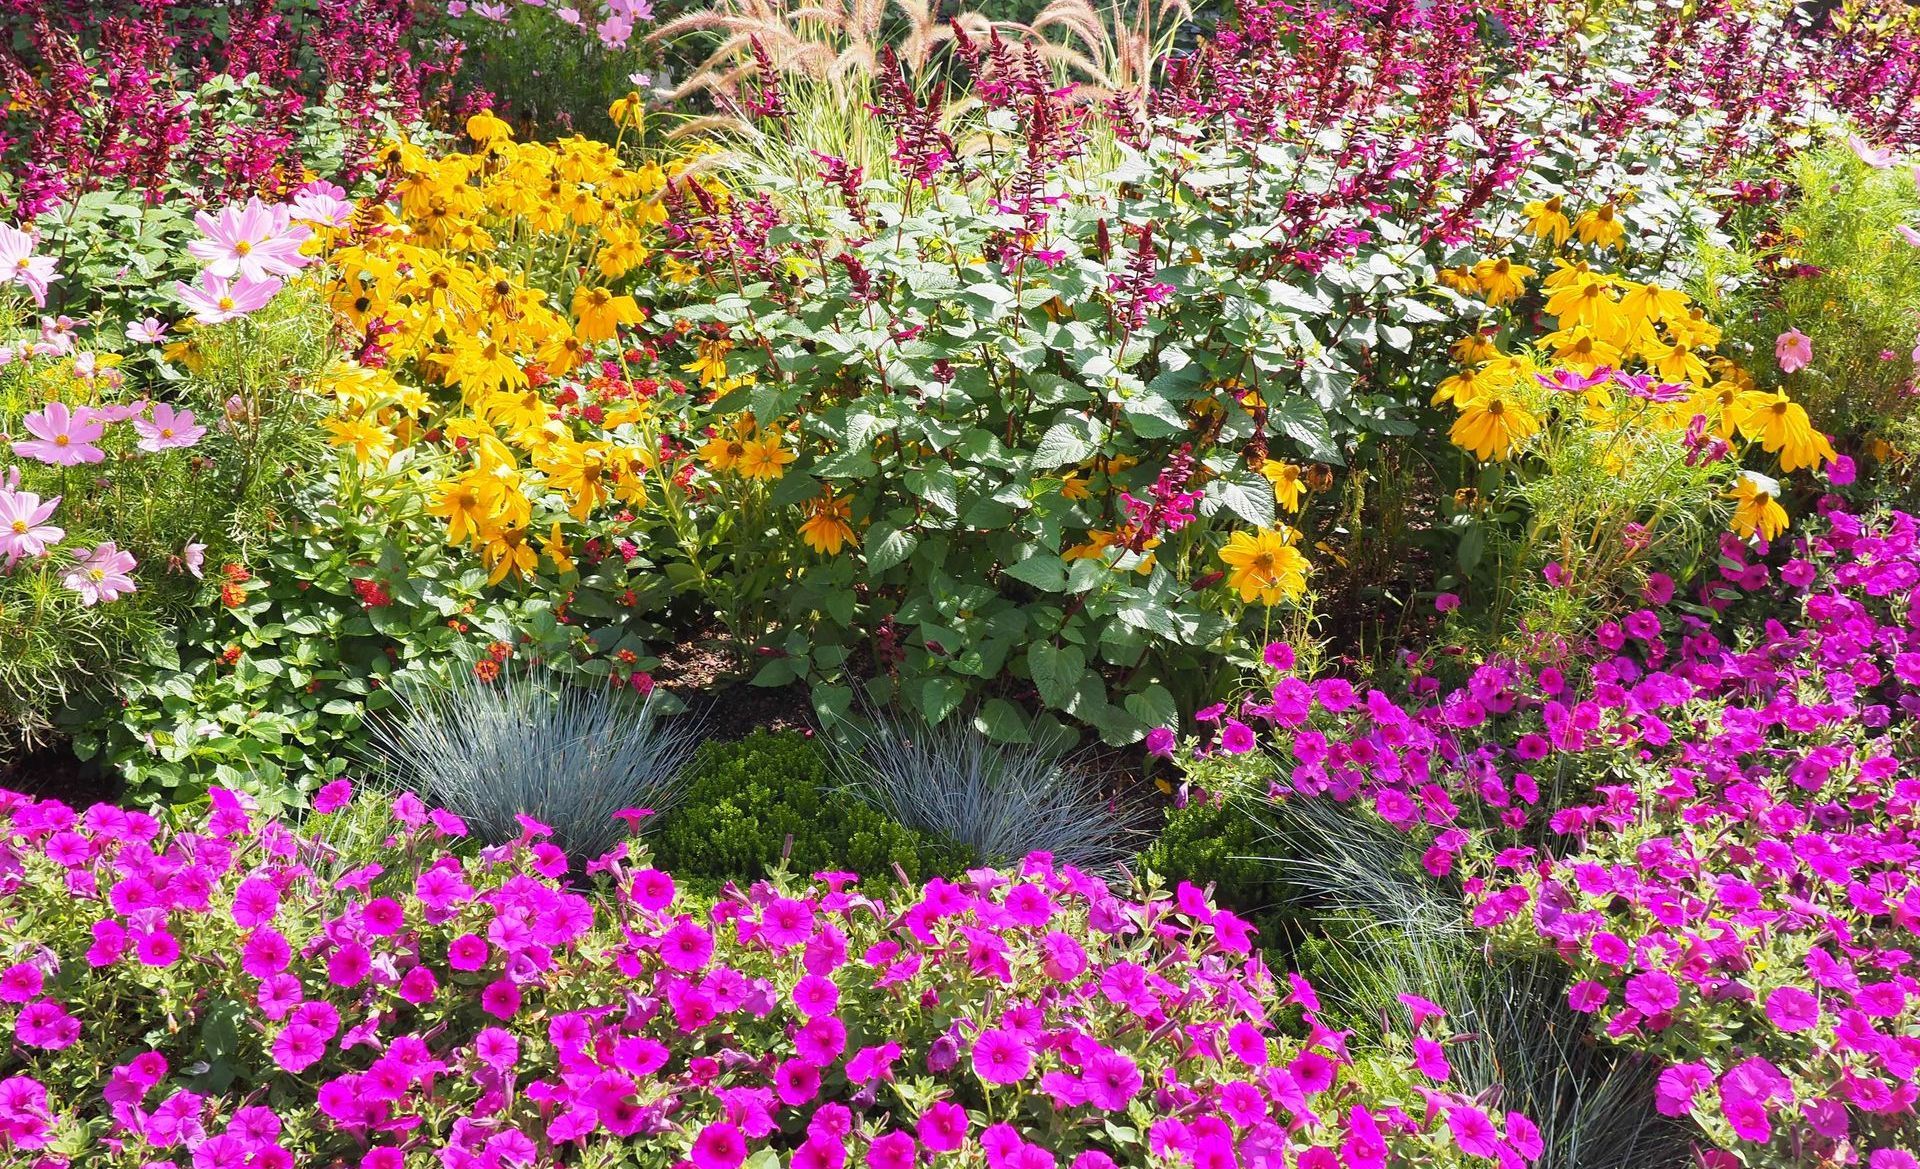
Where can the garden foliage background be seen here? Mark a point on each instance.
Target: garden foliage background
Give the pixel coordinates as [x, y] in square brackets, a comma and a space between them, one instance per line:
[1320, 584]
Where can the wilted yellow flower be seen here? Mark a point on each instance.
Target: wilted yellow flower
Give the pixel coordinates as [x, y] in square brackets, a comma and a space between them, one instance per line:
[484, 128]
[1287, 482]
[1600, 226]
[1545, 219]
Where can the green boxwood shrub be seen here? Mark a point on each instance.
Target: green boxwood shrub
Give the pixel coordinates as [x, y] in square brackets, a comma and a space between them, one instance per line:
[743, 799]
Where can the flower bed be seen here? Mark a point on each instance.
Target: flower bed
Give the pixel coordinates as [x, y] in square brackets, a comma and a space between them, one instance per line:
[1711, 822]
[374, 987]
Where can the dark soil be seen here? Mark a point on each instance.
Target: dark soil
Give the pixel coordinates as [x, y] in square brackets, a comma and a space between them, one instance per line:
[50, 771]
[705, 672]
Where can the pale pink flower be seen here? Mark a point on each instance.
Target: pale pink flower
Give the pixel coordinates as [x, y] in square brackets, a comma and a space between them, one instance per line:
[169, 429]
[62, 436]
[322, 203]
[194, 556]
[148, 332]
[24, 530]
[101, 575]
[215, 299]
[1793, 350]
[250, 243]
[18, 264]
[1878, 157]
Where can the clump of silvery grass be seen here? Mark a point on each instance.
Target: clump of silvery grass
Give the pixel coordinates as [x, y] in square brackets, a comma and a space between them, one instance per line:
[1389, 929]
[997, 801]
[527, 745]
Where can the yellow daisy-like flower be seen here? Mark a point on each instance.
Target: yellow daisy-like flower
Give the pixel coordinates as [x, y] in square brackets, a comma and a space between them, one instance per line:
[1492, 426]
[1782, 427]
[1756, 512]
[1502, 280]
[368, 442]
[1600, 226]
[1546, 219]
[1288, 482]
[765, 457]
[829, 525]
[1460, 280]
[1265, 566]
[600, 313]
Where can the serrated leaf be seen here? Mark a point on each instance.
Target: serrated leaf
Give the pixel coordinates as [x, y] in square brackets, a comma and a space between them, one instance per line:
[1043, 570]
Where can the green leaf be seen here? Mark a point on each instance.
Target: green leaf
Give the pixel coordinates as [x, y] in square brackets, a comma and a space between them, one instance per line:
[1247, 495]
[939, 697]
[1064, 443]
[888, 546]
[1002, 722]
[1056, 672]
[1044, 570]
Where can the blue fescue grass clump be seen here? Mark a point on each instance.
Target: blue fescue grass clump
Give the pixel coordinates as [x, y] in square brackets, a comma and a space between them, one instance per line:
[527, 745]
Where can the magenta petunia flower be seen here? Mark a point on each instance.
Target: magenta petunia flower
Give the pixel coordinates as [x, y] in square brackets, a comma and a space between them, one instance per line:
[1474, 1132]
[719, 1146]
[1792, 1009]
[1001, 1057]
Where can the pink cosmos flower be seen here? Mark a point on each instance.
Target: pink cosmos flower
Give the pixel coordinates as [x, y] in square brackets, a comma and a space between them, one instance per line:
[251, 242]
[101, 575]
[62, 435]
[168, 429]
[1793, 350]
[150, 331]
[1878, 157]
[18, 264]
[24, 530]
[215, 299]
[194, 557]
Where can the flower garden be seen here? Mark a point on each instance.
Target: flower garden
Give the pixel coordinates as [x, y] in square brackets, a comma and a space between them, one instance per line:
[1278, 584]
